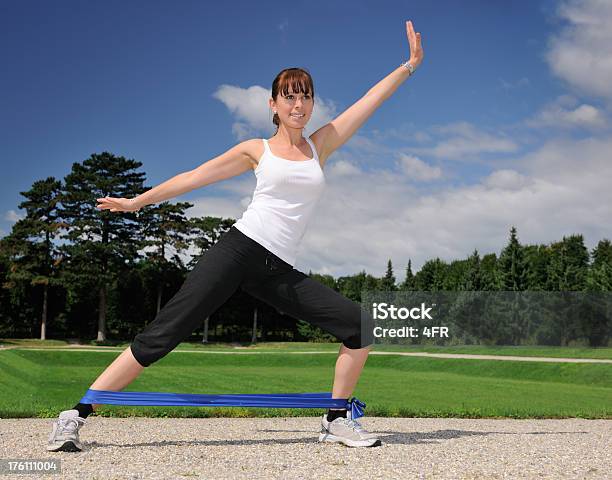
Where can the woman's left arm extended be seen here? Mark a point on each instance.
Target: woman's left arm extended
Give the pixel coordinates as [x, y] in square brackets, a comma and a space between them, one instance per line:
[335, 133]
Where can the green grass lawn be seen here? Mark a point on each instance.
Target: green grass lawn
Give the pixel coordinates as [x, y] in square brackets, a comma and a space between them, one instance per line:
[41, 383]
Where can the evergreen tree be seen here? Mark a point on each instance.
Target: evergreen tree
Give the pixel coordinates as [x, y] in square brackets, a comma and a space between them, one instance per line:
[351, 286]
[431, 276]
[165, 227]
[602, 253]
[488, 269]
[103, 243]
[509, 306]
[472, 279]
[537, 259]
[325, 279]
[568, 264]
[387, 283]
[32, 255]
[511, 265]
[567, 271]
[600, 278]
[596, 324]
[455, 273]
[408, 283]
[205, 232]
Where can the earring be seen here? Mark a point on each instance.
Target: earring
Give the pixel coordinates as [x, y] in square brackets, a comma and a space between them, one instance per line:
[274, 112]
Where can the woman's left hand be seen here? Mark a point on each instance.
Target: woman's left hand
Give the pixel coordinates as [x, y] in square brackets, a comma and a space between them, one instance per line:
[416, 50]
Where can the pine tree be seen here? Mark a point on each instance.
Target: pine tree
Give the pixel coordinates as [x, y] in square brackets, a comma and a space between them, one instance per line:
[408, 283]
[488, 269]
[431, 276]
[165, 228]
[103, 243]
[472, 279]
[205, 232]
[387, 283]
[32, 254]
[568, 266]
[567, 272]
[455, 275]
[602, 265]
[598, 285]
[354, 285]
[511, 265]
[537, 258]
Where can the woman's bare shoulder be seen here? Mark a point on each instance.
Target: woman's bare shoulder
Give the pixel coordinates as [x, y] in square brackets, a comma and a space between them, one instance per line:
[254, 149]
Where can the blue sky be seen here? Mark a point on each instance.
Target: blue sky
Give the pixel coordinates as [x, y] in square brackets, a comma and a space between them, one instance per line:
[506, 122]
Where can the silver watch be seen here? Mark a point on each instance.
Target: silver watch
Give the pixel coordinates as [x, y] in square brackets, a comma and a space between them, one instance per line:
[408, 65]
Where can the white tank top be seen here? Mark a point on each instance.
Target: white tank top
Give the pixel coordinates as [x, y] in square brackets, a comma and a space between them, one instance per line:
[282, 204]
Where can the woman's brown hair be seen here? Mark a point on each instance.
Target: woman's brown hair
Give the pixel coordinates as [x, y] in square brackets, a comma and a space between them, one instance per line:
[298, 79]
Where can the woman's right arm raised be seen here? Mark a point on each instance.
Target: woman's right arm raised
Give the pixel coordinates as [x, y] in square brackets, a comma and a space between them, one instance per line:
[235, 161]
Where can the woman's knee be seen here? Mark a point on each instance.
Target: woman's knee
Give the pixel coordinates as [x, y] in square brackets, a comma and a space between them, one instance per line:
[358, 341]
[359, 333]
[140, 356]
[146, 354]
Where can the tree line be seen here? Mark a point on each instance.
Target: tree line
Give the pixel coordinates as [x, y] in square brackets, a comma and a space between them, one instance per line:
[70, 270]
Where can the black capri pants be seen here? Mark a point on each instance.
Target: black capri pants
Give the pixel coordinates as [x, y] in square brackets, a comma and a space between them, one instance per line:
[238, 261]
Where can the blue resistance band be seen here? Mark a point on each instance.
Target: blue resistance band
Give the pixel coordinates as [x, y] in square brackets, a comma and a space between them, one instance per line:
[272, 400]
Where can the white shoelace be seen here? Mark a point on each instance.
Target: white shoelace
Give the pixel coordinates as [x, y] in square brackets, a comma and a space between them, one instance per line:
[354, 424]
[70, 424]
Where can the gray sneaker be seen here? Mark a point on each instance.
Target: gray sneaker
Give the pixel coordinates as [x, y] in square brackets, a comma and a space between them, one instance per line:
[347, 431]
[65, 434]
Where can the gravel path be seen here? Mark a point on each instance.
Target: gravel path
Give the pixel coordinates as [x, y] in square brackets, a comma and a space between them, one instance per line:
[287, 448]
[314, 352]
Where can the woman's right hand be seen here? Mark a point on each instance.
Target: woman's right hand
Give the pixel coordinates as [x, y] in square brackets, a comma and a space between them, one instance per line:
[118, 204]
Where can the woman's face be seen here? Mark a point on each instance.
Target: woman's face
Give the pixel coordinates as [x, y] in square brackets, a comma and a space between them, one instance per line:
[294, 109]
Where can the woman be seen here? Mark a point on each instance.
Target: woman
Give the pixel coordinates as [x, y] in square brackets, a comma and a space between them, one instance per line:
[258, 253]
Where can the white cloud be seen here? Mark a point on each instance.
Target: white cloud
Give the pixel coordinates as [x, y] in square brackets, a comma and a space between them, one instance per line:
[563, 113]
[417, 169]
[12, 216]
[249, 106]
[581, 53]
[506, 179]
[343, 168]
[465, 142]
[215, 206]
[377, 215]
